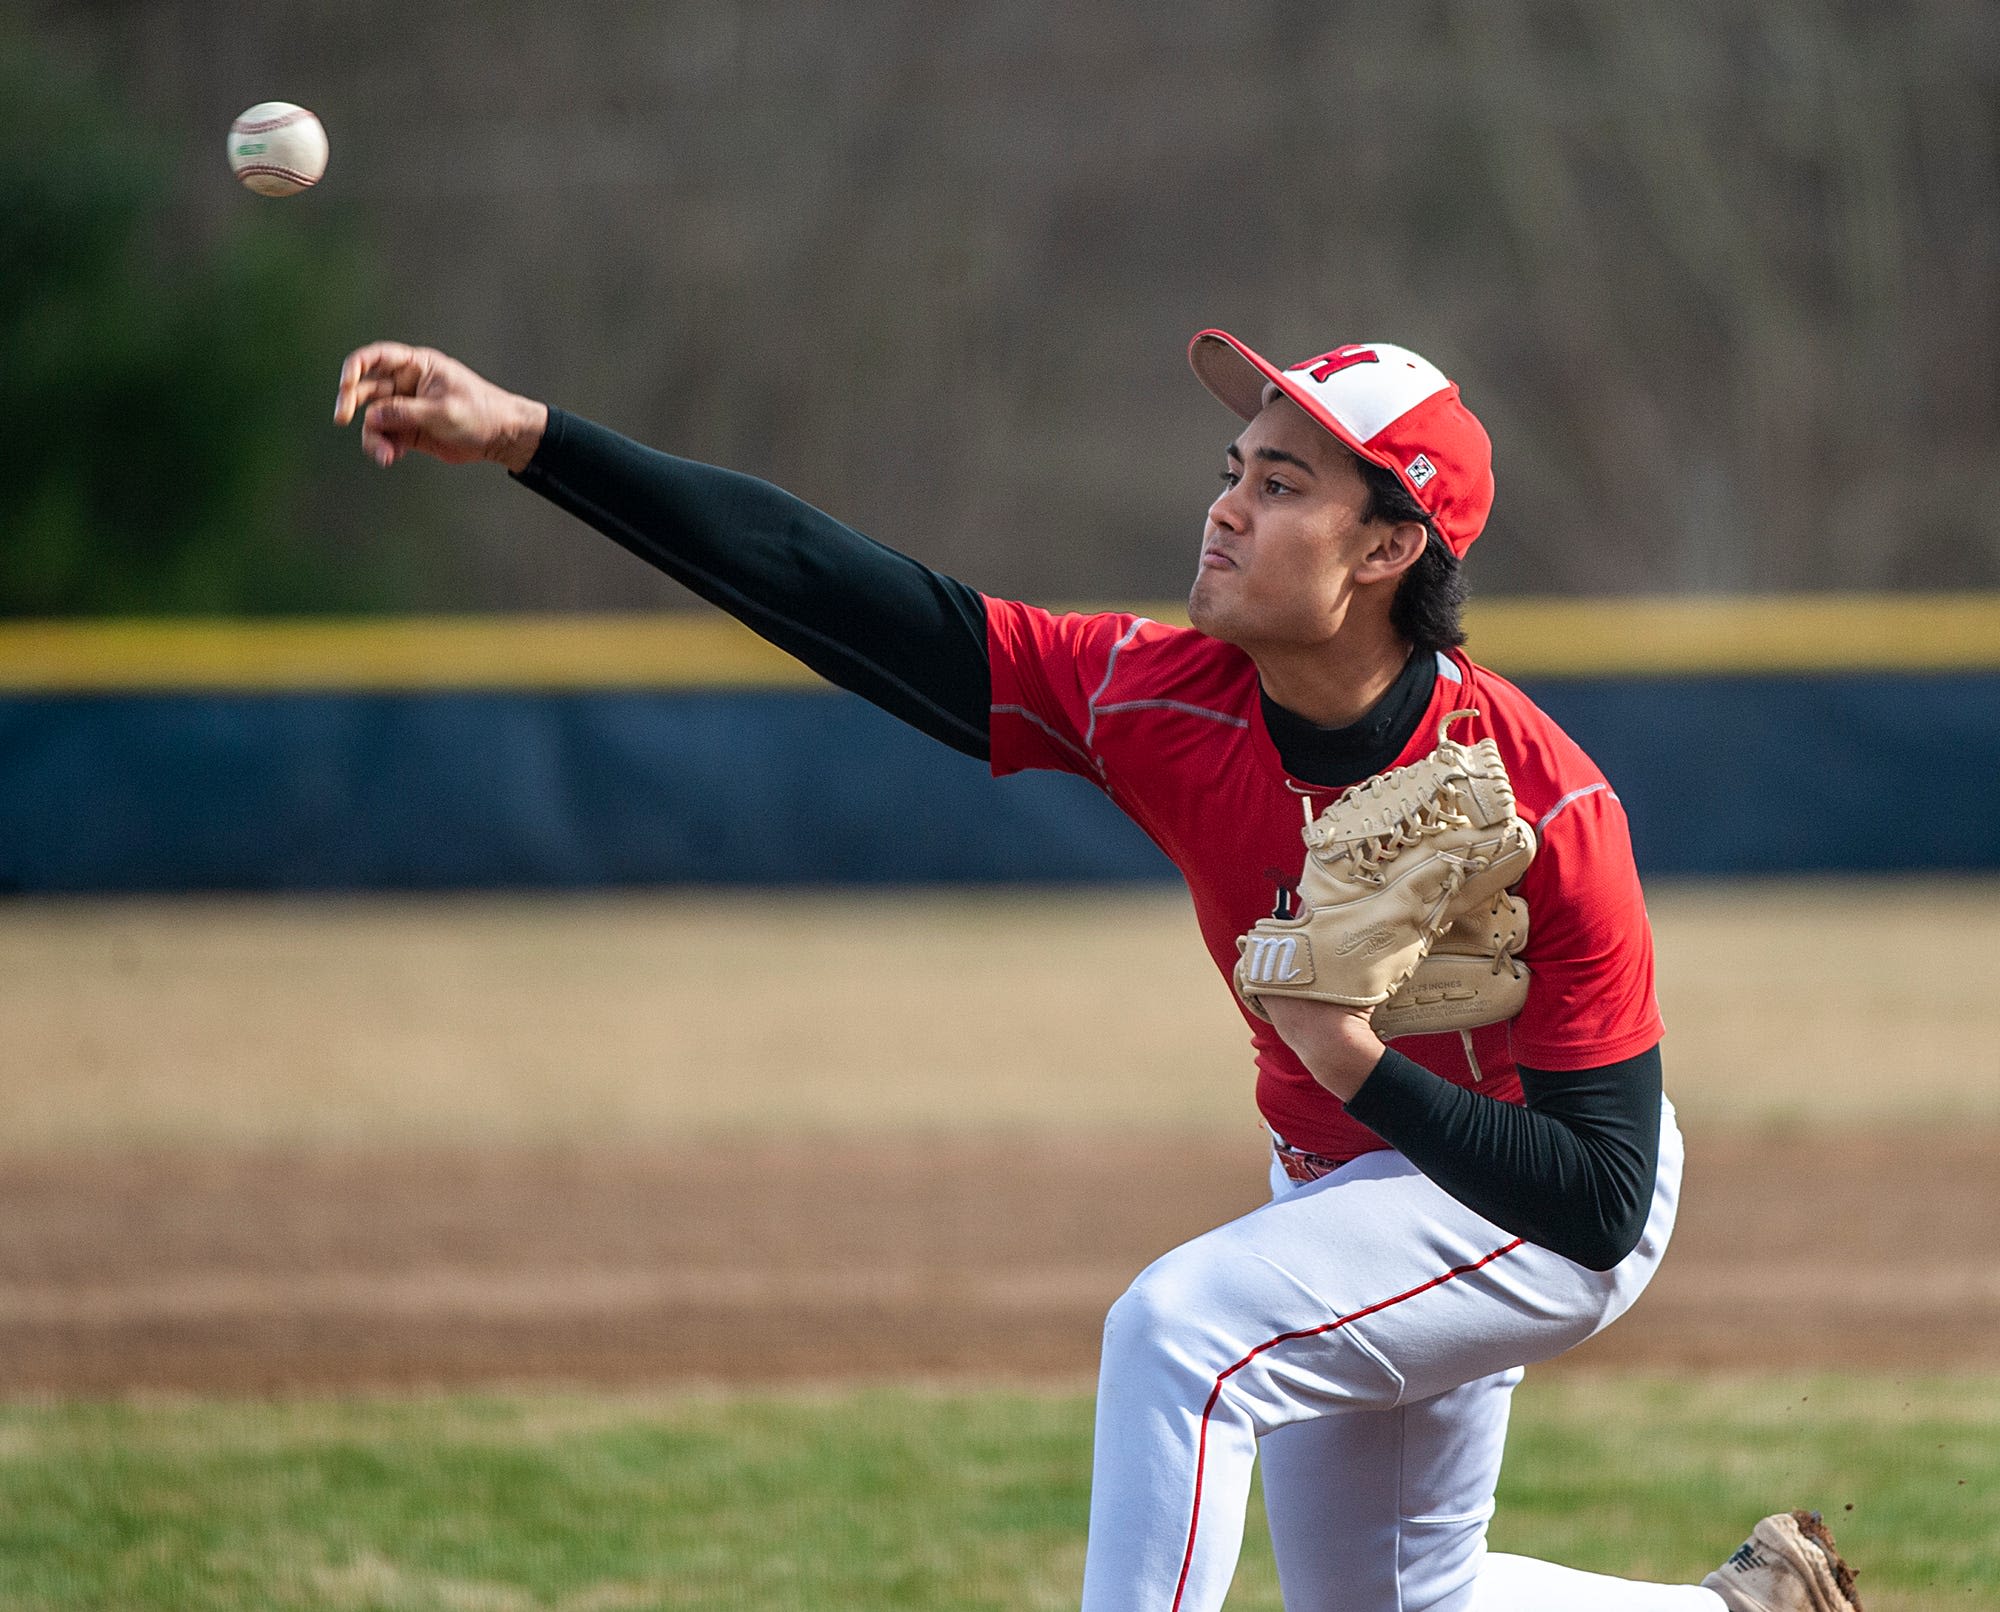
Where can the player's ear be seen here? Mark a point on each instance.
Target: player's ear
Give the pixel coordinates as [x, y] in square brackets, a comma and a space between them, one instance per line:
[1393, 549]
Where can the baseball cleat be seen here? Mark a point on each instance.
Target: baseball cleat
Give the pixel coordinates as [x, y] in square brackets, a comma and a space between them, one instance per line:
[1788, 1564]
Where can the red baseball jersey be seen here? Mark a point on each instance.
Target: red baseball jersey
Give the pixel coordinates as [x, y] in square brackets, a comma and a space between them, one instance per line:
[1169, 724]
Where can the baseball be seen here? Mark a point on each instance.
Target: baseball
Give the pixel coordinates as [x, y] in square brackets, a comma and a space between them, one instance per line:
[277, 149]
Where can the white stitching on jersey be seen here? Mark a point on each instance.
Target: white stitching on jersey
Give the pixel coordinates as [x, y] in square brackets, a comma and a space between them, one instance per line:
[1110, 666]
[1172, 705]
[1574, 794]
[1029, 716]
[1090, 733]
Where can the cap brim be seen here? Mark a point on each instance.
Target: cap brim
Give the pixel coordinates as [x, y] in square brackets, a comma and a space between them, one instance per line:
[1237, 376]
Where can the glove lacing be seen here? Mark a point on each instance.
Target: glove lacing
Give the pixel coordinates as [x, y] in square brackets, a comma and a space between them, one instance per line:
[1368, 852]
[1432, 815]
[1505, 946]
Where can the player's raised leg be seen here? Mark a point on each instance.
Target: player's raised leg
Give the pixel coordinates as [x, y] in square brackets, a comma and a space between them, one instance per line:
[1360, 1294]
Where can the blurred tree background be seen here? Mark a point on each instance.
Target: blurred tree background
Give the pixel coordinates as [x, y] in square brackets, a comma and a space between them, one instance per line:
[1720, 278]
[149, 399]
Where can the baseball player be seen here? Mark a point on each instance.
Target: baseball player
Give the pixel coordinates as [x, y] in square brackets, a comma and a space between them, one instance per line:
[1385, 842]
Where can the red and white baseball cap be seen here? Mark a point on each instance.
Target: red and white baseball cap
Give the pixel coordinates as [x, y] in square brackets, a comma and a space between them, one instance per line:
[1391, 407]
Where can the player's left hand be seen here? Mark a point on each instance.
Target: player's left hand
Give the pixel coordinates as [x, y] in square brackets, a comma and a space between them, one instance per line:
[1336, 1043]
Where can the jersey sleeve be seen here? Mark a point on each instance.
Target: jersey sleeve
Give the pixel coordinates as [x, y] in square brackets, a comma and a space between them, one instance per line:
[1590, 946]
[1045, 669]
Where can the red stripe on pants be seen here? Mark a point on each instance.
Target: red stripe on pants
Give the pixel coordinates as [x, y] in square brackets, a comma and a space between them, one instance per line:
[1201, 1446]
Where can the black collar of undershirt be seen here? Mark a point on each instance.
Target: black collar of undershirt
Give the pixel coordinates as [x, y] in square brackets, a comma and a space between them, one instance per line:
[1333, 758]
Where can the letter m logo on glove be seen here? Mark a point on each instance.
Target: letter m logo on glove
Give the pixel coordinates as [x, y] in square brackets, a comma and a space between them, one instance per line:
[1274, 959]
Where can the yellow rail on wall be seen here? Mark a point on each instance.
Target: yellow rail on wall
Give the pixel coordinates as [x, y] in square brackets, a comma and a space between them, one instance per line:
[402, 652]
[1562, 638]
[1703, 636]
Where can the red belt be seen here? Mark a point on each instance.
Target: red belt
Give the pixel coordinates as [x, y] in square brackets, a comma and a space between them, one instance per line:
[1299, 1164]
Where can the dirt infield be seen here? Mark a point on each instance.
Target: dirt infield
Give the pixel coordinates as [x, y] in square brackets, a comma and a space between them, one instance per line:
[257, 1145]
[260, 1271]
[586, 1019]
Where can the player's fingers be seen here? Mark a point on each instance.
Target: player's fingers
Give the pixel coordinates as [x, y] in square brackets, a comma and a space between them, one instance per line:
[376, 361]
[404, 413]
[386, 447]
[393, 424]
[354, 369]
[355, 399]
[377, 446]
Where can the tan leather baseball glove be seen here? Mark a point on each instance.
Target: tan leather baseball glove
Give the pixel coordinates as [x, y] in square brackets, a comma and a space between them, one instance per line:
[1390, 866]
[1471, 976]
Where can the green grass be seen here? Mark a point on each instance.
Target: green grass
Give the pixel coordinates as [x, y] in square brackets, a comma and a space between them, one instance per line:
[882, 1500]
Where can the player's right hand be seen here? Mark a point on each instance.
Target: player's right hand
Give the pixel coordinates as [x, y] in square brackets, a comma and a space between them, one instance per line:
[415, 399]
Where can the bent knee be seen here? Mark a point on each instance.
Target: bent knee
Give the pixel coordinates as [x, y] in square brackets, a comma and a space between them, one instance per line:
[1170, 1305]
[1163, 1292]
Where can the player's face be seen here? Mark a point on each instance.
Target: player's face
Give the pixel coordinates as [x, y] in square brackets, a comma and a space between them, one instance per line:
[1285, 538]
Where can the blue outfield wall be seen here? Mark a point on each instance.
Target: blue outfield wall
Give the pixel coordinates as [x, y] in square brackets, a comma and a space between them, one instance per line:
[476, 789]
[481, 790]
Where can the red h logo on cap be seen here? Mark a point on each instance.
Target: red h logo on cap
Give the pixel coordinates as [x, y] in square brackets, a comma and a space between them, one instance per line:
[1328, 365]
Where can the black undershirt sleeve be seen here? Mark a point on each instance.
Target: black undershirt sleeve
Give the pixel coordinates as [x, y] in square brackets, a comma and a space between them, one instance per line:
[864, 617]
[1571, 1169]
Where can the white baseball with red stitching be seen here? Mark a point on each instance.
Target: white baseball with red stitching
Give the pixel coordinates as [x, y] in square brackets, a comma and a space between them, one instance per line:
[277, 149]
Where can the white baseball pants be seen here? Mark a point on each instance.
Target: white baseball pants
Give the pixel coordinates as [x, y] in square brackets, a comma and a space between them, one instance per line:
[1366, 1330]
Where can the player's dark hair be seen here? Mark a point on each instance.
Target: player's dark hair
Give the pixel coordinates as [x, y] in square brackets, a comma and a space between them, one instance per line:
[1429, 605]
